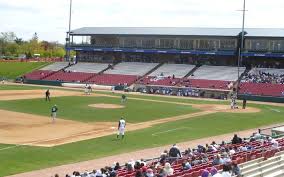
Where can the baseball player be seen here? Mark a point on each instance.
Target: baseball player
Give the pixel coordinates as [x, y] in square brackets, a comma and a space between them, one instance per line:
[89, 89]
[86, 89]
[121, 127]
[47, 95]
[54, 110]
[123, 98]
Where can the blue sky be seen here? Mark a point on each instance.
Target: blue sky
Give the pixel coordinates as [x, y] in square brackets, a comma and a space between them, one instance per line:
[49, 18]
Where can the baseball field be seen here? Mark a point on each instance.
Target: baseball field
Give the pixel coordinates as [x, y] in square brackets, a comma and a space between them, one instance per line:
[86, 124]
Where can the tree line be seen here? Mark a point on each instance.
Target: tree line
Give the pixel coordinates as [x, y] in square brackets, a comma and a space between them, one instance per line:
[12, 46]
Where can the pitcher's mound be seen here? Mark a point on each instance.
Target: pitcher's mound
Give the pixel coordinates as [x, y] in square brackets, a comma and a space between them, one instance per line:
[106, 106]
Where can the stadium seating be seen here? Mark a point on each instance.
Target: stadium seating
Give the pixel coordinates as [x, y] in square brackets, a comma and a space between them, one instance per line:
[112, 79]
[263, 82]
[88, 67]
[167, 81]
[272, 167]
[179, 70]
[38, 74]
[55, 66]
[262, 159]
[125, 73]
[262, 89]
[203, 83]
[165, 73]
[131, 68]
[224, 73]
[68, 76]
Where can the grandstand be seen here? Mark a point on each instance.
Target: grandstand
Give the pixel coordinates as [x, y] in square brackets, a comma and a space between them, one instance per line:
[255, 158]
[202, 58]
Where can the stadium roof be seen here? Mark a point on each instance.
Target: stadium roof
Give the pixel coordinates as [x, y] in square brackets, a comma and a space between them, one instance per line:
[179, 31]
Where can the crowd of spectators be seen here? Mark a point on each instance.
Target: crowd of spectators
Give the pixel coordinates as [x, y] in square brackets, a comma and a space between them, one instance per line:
[255, 76]
[173, 161]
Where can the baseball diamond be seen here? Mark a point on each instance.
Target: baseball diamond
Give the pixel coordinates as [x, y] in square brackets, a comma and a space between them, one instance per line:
[116, 98]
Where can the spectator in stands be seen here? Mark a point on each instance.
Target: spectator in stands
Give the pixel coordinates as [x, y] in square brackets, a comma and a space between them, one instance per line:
[201, 149]
[236, 139]
[186, 165]
[117, 166]
[213, 171]
[174, 151]
[217, 160]
[231, 151]
[236, 169]
[138, 174]
[205, 173]
[162, 173]
[226, 158]
[168, 169]
[226, 170]
[275, 144]
[149, 173]
[195, 161]
[211, 148]
[204, 158]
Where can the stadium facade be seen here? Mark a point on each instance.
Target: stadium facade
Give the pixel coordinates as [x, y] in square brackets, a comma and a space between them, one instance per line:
[217, 46]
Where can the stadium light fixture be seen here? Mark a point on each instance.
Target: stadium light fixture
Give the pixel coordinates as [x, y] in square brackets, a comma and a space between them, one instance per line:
[243, 33]
[69, 31]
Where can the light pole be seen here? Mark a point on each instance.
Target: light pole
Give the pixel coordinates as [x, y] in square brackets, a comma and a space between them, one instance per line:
[69, 31]
[240, 57]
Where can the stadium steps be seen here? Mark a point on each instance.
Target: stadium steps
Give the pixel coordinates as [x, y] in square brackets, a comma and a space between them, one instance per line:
[57, 71]
[148, 73]
[188, 74]
[259, 168]
[191, 72]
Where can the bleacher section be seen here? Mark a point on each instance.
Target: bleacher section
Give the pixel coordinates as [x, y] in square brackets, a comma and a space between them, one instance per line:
[55, 66]
[258, 159]
[202, 83]
[268, 70]
[224, 73]
[113, 79]
[179, 70]
[68, 76]
[262, 89]
[164, 74]
[88, 67]
[131, 68]
[38, 74]
[124, 73]
[263, 82]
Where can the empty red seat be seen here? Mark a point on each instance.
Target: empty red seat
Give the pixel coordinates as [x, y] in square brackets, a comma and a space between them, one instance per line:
[262, 89]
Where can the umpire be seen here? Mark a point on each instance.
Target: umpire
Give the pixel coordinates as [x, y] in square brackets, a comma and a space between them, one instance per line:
[47, 95]
[244, 103]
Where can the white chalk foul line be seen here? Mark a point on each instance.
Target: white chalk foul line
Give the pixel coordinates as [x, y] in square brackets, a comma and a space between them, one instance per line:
[275, 110]
[171, 130]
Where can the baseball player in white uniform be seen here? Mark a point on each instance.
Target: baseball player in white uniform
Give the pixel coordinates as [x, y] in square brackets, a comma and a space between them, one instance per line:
[121, 127]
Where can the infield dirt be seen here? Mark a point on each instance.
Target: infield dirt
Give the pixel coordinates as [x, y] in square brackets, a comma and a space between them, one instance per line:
[29, 129]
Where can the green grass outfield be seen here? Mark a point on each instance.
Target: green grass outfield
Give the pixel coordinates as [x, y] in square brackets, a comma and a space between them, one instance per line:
[27, 158]
[11, 70]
